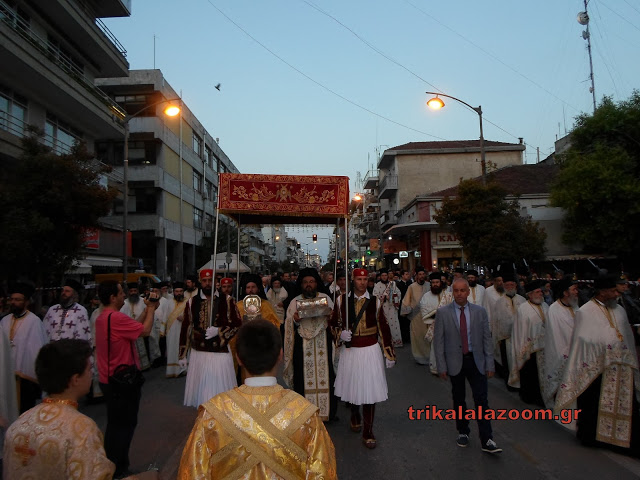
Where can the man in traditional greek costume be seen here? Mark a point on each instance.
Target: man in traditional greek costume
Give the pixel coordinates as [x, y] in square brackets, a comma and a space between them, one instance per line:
[68, 319]
[53, 439]
[308, 348]
[527, 343]
[205, 334]
[437, 296]
[503, 314]
[173, 329]
[26, 336]
[411, 309]
[601, 376]
[558, 333]
[258, 430]
[361, 376]
[389, 295]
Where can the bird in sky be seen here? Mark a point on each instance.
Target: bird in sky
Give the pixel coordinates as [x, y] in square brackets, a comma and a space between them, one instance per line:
[218, 87]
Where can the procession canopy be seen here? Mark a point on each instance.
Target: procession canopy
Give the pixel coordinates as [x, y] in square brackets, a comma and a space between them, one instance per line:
[266, 199]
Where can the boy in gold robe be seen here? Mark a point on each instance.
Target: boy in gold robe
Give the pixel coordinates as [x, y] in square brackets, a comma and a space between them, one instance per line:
[259, 430]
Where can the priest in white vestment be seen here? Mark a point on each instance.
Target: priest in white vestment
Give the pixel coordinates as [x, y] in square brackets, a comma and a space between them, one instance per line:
[558, 332]
[308, 345]
[476, 291]
[492, 294]
[8, 396]
[411, 309]
[173, 329]
[504, 312]
[389, 295]
[276, 296]
[26, 337]
[437, 296]
[601, 377]
[527, 343]
[134, 307]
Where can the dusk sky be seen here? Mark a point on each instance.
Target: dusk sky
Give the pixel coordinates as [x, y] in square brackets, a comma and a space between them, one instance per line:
[319, 87]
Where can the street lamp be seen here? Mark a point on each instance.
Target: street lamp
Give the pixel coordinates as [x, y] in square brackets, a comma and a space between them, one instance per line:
[170, 111]
[437, 103]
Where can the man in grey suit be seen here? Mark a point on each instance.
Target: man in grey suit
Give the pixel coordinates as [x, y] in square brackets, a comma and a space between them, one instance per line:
[464, 349]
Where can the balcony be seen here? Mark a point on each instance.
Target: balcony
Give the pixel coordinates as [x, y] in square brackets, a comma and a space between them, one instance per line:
[370, 180]
[388, 219]
[388, 186]
[46, 66]
[81, 22]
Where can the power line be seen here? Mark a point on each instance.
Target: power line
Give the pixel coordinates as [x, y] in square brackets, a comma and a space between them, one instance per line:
[342, 97]
[379, 52]
[625, 1]
[492, 56]
[622, 17]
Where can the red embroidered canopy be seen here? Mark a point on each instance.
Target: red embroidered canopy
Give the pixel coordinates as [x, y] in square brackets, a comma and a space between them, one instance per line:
[258, 198]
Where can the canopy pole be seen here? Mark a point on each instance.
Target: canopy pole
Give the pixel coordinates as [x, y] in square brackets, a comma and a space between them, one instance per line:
[335, 261]
[213, 261]
[238, 264]
[346, 254]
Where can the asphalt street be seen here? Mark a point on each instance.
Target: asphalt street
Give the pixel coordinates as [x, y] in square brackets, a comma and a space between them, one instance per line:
[407, 449]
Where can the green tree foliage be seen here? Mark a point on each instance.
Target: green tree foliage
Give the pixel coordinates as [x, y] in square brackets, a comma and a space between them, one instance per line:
[227, 241]
[599, 181]
[48, 201]
[489, 227]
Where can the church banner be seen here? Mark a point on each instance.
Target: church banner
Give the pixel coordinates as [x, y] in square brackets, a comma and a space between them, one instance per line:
[310, 197]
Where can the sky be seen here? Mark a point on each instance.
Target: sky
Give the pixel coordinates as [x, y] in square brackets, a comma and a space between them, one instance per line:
[322, 87]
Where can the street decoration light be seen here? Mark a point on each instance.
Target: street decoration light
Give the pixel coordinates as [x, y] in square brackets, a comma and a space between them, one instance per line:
[437, 103]
[171, 111]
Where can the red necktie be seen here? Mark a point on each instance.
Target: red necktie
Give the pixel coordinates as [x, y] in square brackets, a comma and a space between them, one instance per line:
[463, 332]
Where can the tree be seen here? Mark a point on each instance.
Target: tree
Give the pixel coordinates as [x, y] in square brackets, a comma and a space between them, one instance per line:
[490, 228]
[48, 202]
[227, 241]
[598, 185]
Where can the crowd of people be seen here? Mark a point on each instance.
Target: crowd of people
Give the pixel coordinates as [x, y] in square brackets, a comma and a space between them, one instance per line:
[558, 342]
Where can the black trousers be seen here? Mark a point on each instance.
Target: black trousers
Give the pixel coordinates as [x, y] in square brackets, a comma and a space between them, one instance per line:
[122, 419]
[30, 393]
[530, 383]
[478, 382]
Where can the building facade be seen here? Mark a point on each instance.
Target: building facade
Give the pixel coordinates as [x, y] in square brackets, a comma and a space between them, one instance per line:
[51, 54]
[173, 174]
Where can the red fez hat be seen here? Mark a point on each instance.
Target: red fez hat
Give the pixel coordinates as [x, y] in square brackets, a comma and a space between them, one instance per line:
[206, 273]
[226, 281]
[360, 272]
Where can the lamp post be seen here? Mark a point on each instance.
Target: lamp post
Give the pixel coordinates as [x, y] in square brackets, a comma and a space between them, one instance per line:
[171, 111]
[437, 103]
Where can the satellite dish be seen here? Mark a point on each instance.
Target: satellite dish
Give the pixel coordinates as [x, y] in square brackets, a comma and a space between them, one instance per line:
[583, 18]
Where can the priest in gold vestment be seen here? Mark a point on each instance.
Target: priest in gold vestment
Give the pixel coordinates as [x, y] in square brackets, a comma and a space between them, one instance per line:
[53, 440]
[259, 430]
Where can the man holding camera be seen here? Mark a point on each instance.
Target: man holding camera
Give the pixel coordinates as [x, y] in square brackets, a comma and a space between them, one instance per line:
[116, 334]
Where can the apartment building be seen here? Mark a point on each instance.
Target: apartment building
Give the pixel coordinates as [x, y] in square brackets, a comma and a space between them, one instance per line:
[173, 174]
[51, 52]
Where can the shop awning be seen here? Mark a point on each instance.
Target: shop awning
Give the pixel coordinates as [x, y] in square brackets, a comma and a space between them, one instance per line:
[79, 268]
[100, 261]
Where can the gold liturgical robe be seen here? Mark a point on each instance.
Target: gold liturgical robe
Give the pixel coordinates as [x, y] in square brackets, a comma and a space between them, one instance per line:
[54, 441]
[258, 433]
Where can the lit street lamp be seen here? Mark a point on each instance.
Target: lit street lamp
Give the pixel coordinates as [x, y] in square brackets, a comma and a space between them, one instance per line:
[436, 103]
[170, 111]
